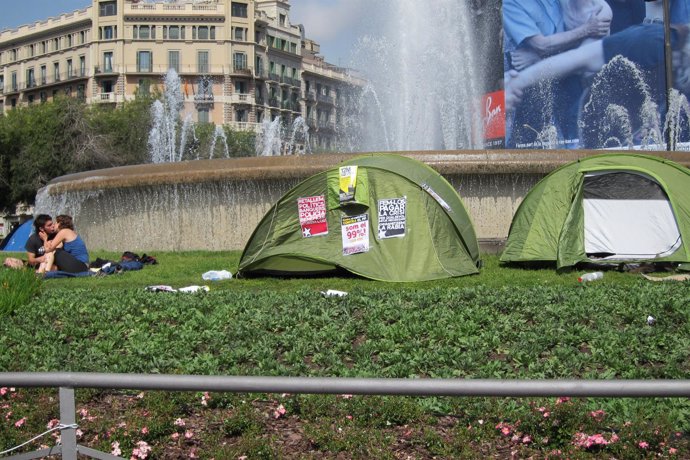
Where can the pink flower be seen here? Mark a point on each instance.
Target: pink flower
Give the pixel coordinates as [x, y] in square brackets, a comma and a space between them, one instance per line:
[19, 423]
[179, 422]
[346, 396]
[643, 445]
[143, 448]
[116, 451]
[597, 415]
[349, 417]
[192, 453]
[8, 415]
[205, 398]
[145, 430]
[3, 391]
[562, 400]
[122, 425]
[175, 436]
[546, 414]
[279, 412]
[189, 434]
[526, 439]
[673, 451]
[614, 438]
[541, 409]
[505, 431]
[83, 413]
[53, 423]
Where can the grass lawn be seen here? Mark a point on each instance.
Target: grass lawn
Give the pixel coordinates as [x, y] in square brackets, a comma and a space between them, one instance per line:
[504, 323]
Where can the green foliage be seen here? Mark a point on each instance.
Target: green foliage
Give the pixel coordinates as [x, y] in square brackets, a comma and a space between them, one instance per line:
[504, 323]
[17, 288]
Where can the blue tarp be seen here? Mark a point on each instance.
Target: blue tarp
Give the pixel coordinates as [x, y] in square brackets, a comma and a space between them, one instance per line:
[16, 240]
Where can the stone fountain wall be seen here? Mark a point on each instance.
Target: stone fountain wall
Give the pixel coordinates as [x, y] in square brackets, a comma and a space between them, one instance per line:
[215, 204]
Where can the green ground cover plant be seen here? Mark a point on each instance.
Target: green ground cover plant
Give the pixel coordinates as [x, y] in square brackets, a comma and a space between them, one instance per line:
[504, 323]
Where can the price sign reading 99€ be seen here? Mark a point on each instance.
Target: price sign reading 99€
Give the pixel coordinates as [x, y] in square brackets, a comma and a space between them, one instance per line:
[355, 232]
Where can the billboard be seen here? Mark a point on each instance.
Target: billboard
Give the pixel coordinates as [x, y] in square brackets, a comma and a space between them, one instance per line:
[592, 74]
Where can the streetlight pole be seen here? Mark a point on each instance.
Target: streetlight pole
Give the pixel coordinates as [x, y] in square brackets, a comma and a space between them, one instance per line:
[669, 67]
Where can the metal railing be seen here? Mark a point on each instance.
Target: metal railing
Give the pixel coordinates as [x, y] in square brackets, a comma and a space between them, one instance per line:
[67, 382]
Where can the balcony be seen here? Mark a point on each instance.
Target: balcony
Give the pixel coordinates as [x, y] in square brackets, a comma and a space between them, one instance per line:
[310, 95]
[240, 98]
[327, 99]
[104, 71]
[245, 126]
[273, 76]
[106, 98]
[241, 70]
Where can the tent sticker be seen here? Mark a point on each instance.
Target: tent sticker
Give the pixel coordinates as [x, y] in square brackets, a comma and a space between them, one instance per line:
[312, 215]
[436, 197]
[355, 231]
[348, 182]
[392, 218]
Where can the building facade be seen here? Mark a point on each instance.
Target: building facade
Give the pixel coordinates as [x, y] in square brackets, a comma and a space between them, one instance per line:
[240, 62]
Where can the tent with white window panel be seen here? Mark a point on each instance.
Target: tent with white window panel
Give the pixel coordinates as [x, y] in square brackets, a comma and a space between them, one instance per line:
[605, 208]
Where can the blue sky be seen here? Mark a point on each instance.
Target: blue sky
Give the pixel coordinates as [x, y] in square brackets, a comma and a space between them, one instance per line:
[332, 23]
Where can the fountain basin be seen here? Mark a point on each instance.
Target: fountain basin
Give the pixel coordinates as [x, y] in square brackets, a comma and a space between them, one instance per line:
[215, 204]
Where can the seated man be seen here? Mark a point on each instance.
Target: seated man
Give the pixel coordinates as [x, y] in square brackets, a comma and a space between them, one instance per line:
[34, 245]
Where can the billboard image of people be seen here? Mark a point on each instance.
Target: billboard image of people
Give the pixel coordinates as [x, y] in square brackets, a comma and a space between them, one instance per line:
[591, 73]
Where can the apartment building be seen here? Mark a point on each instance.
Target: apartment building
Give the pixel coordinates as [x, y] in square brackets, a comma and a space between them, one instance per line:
[240, 61]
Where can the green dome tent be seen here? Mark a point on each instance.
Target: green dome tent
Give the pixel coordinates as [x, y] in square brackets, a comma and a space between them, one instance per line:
[384, 217]
[605, 208]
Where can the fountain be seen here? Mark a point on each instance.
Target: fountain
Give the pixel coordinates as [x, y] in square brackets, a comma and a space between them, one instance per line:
[417, 103]
[165, 145]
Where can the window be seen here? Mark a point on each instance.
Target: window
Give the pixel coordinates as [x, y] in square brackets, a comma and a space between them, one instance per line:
[81, 92]
[241, 87]
[13, 55]
[30, 99]
[240, 34]
[202, 62]
[259, 65]
[69, 40]
[108, 61]
[30, 78]
[70, 69]
[31, 50]
[14, 81]
[282, 20]
[203, 116]
[143, 32]
[2, 83]
[108, 33]
[239, 10]
[82, 37]
[56, 71]
[239, 61]
[107, 86]
[43, 47]
[204, 33]
[107, 8]
[82, 66]
[172, 32]
[44, 75]
[174, 60]
[144, 87]
[144, 61]
[56, 44]
[293, 48]
[44, 96]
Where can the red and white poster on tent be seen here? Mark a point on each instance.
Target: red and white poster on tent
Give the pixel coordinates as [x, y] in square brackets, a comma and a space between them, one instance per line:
[312, 215]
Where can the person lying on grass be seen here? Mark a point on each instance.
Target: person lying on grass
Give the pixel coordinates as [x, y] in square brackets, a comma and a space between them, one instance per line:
[66, 251]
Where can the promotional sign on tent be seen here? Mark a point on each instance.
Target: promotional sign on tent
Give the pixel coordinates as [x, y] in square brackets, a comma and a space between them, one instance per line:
[420, 228]
[392, 218]
[605, 208]
[312, 215]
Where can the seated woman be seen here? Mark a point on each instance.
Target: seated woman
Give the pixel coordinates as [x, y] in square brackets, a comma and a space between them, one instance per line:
[66, 251]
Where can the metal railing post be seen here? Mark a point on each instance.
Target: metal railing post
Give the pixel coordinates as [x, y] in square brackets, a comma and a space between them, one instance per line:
[68, 436]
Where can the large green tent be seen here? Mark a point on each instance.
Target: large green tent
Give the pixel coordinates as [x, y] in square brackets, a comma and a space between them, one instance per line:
[607, 208]
[384, 217]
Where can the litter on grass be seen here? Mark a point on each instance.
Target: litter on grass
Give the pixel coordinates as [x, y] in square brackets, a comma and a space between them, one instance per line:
[188, 289]
[333, 293]
[217, 275]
